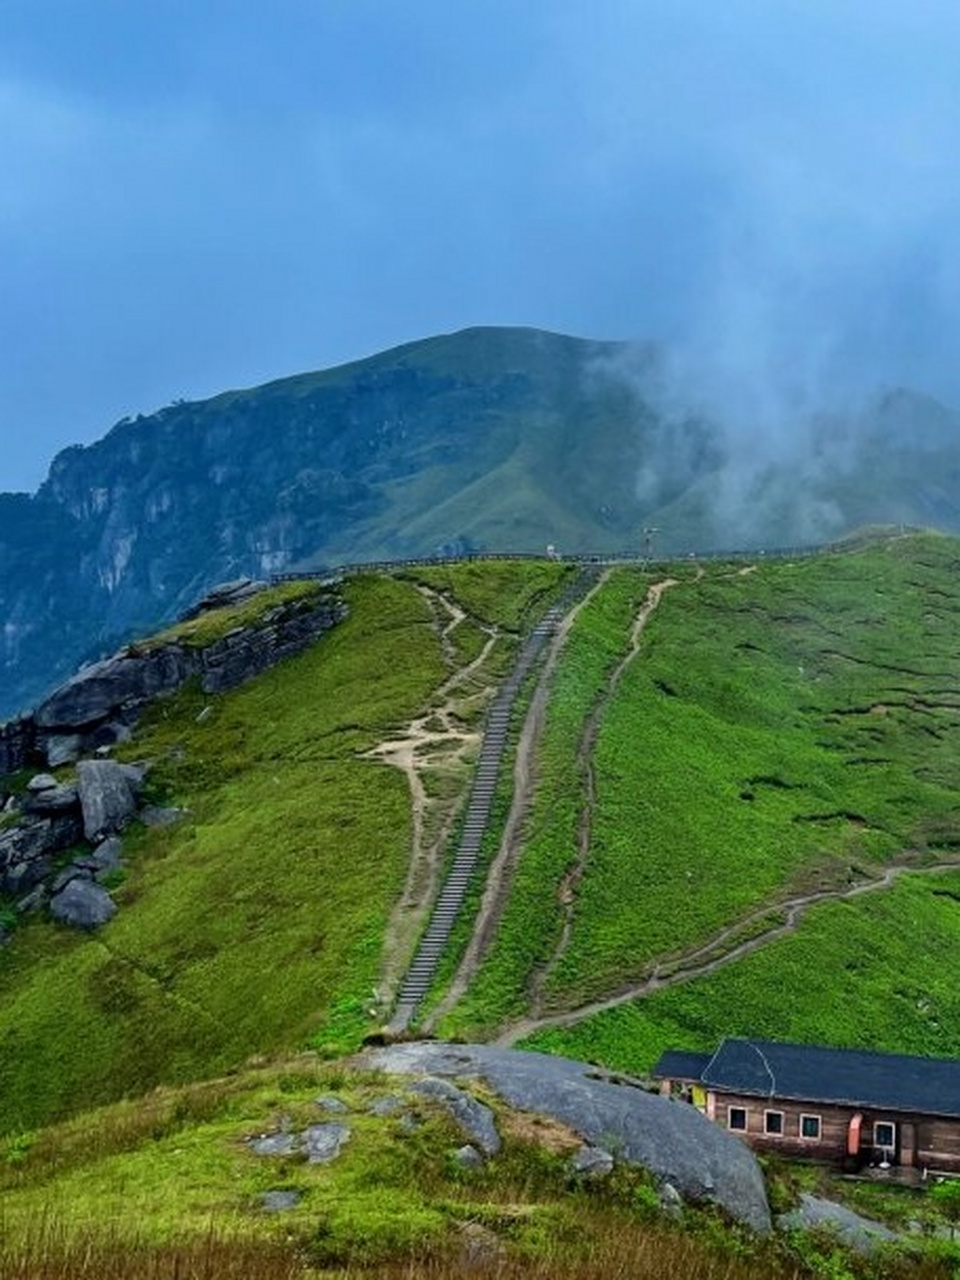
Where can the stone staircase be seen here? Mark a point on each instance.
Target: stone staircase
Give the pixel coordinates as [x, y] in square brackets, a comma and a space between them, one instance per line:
[422, 971]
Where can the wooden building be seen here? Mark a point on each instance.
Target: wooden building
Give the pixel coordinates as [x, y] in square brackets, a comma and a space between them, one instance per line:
[844, 1106]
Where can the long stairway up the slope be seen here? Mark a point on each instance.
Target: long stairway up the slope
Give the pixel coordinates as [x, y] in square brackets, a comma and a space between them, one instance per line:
[422, 971]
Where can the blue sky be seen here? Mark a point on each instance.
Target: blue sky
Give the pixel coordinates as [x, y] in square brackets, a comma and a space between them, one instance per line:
[199, 194]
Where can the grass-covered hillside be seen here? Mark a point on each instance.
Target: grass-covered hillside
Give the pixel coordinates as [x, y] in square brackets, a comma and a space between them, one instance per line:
[735, 812]
[279, 910]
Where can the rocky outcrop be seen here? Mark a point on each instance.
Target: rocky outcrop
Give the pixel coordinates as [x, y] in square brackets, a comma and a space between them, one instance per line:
[105, 689]
[27, 849]
[56, 819]
[100, 704]
[669, 1138]
[225, 596]
[320, 1143]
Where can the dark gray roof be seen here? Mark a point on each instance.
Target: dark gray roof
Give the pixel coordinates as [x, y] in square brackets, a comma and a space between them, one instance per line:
[677, 1064]
[812, 1073]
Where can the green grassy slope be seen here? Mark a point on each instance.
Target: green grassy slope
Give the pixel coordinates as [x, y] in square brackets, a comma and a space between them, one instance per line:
[789, 730]
[877, 972]
[780, 728]
[259, 921]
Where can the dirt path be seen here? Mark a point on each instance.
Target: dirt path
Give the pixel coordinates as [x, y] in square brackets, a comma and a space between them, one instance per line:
[500, 874]
[436, 740]
[567, 892]
[701, 961]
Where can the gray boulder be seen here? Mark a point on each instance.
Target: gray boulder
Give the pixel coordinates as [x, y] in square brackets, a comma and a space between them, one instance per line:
[105, 857]
[863, 1235]
[26, 849]
[330, 1103]
[55, 799]
[17, 744]
[68, 873]
[82, 905]
[42, 782]
[671, 1201]
[322, 1142]
[22, 877]
[671, 1139]
[475, 1119]
[62, 748]
[388, 1105]
[107, 797]
[275, 1144]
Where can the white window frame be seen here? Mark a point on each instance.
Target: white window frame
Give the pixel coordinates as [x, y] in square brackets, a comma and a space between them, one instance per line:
[773, 1133]
[746, 1119]
[885, 1146]
[807, 1137]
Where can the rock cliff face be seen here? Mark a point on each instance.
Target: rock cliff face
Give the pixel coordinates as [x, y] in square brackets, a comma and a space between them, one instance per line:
[100, 705]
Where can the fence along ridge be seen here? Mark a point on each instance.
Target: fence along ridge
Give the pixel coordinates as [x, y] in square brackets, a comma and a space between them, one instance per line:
[798, 552]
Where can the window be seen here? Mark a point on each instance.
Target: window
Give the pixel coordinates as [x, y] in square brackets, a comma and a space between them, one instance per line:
[737, 1118]
[810, 1127]
[773, 1122]
[885, 1134]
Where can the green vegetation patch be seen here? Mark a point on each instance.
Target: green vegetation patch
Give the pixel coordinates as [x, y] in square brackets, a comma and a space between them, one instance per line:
[176, 1172]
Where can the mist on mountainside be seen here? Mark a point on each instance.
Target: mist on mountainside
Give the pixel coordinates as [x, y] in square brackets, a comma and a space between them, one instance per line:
[780, 407]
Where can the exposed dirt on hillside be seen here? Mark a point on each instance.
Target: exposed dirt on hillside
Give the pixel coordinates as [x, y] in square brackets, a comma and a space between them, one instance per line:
[567, 892]
[723, 948]
[439, 742]
[500, 874]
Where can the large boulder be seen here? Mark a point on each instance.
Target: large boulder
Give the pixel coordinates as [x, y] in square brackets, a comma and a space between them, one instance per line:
[669, 1138]
[107, 797]
[96, 692]
[82, 905]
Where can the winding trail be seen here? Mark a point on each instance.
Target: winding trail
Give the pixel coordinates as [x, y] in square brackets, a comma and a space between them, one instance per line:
[500, 874]
[703, 960]
[438, 739]
[567, 892]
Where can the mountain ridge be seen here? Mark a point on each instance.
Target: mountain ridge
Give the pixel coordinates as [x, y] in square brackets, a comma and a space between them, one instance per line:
[504, 439]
